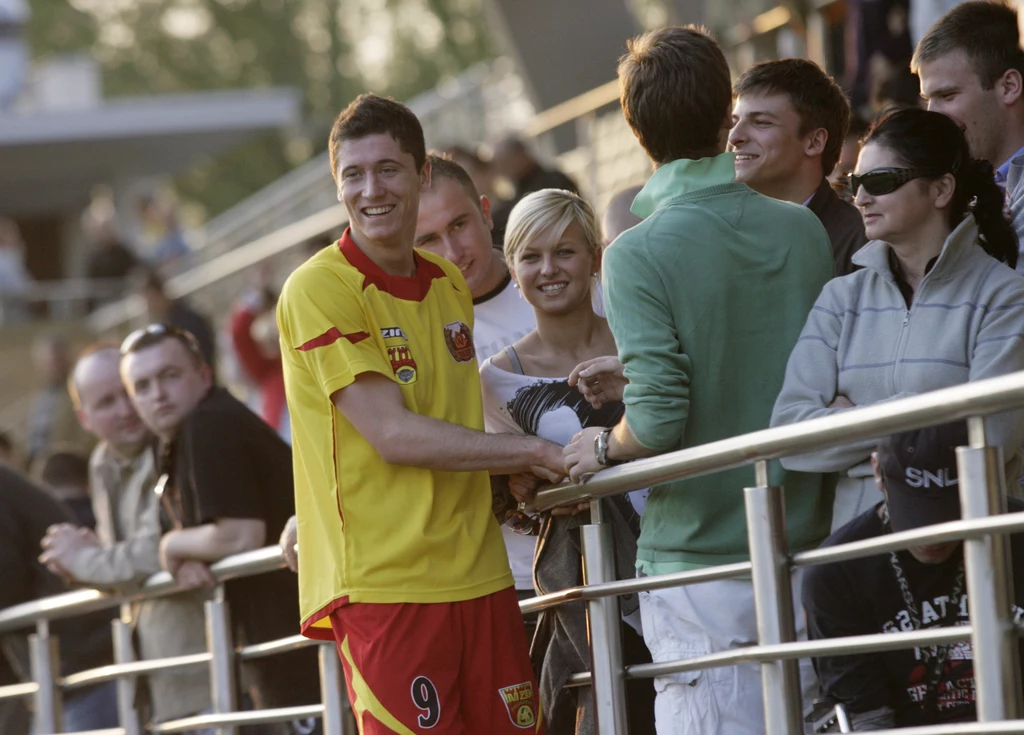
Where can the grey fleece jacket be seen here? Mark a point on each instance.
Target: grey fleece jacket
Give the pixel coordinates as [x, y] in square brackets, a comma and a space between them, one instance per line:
[966, 323]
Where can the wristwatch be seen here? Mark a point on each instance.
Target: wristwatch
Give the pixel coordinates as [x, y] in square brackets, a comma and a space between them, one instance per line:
[601, 449]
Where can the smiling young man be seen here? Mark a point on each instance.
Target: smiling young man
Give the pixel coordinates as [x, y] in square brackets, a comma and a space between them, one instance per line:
[401, 561]
[225, 488]
[455, 223]
[789, 122]
[971, 66]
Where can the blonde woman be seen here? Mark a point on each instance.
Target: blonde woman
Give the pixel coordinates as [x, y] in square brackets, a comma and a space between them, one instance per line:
[553, 250]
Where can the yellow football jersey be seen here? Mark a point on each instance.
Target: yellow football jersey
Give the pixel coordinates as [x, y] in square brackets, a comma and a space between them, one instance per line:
[370, 531]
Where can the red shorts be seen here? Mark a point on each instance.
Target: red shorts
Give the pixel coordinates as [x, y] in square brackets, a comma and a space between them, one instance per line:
[457, 668]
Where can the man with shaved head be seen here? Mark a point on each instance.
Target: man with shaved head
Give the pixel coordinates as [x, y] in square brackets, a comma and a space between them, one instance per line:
[618, 217]
[124, 551]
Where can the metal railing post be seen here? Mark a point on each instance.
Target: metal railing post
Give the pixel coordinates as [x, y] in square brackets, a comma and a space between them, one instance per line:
[989, 581]
[773, 603]
[330, 690]
[609, 683]
[222, 663]
[124, 653]
[44, 663]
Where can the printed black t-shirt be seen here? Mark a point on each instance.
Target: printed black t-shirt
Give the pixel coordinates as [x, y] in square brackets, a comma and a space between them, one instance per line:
[863, 597]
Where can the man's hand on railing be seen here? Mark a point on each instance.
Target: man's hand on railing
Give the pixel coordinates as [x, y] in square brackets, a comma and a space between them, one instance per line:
[63, 541]
[580, 457]
[289, 541]
[601, 380]
[524, 488]
[194, 574]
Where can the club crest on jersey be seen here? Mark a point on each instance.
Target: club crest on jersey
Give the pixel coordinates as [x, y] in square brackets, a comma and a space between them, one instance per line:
[402, 362]
[520, 703]
[459, 339]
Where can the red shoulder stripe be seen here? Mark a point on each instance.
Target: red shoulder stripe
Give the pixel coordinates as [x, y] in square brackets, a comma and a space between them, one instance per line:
[331, 336]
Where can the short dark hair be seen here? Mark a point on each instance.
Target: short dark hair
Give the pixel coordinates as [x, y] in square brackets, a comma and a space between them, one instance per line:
[815, 96]
[675, 91]
[61, 469]
[158, 332]
[369, 114]
[986, 32]
[443, 167]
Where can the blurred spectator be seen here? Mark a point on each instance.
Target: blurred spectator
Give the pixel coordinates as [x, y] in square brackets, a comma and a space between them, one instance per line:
[124, 551]
[109, 257]
[848, 157]
[14, 51]
[922, 587]
[514, 161]
[553, 237]
[618, 217]
[163, 245]
[6, 449]
[699, 374]
[51, 419]
[877, 43]
[15, 280]
[481, 173]
[256, 343]
[65, 475]
[789, 121]
[930, 308]
[901, 89]
[228, 489]
[160, 308]
[970, 65]
[26, 511]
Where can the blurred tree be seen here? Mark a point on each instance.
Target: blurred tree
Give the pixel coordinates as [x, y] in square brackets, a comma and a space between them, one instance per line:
[330, 49]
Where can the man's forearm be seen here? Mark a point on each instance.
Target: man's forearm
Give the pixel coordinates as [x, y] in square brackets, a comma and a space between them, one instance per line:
[623, 445]
[421, 441]
[210, 542]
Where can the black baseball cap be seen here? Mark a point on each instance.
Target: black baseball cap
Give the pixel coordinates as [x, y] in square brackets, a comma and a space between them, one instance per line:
[920, 473]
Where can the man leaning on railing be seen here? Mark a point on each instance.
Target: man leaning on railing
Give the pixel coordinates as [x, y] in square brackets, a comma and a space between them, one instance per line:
[705, 298]
[125, 549]
[923, 587]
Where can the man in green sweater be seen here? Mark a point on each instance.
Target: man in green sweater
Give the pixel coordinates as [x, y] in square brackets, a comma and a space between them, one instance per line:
[706, 299]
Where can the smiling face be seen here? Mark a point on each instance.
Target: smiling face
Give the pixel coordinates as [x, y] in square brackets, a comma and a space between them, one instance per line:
[898, 216]
[165, 383]
[452, 225]
[380, 187]
[951, 86]
[104, 407]
[555, 274]
[766, 139]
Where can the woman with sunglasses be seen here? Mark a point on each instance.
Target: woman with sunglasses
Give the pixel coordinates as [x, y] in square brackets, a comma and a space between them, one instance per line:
[553, 249]
[937, 302]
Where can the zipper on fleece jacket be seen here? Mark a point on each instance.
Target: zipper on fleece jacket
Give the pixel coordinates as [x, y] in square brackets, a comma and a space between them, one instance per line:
[905, 328]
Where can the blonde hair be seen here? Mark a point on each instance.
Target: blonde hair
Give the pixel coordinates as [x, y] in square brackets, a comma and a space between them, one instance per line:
[549, 212]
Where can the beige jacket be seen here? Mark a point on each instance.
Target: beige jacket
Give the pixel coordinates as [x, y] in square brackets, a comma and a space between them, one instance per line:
[128, 524]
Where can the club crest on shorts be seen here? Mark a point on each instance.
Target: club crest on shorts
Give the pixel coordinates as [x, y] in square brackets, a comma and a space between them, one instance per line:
[520, 703]
[402, 362]
[459, 339]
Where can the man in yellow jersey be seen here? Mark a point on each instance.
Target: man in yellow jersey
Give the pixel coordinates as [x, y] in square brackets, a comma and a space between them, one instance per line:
[402, 562]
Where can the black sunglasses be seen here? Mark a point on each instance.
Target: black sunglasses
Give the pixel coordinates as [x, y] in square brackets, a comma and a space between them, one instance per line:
[153, 333]
[887, 180]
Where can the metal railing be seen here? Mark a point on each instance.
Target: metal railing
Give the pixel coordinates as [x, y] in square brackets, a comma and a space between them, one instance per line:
[991, 629]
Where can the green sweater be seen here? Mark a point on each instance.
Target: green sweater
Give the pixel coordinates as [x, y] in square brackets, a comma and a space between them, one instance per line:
[706, 298]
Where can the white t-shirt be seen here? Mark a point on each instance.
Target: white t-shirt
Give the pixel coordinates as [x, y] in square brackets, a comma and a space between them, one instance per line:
[500, 319]
[546, 407]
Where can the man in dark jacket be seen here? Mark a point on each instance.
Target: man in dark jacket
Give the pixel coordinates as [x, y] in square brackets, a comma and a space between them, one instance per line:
[515, 162]
[26, 511]
[789, 122]
[227, 488]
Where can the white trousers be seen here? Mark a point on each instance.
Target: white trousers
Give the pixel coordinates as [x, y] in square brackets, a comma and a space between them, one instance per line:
[691, 621]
